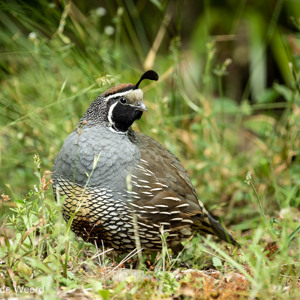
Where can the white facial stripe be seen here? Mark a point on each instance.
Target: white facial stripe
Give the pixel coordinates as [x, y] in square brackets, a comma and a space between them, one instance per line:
[109, 117]
[132, 95]
[119, 132]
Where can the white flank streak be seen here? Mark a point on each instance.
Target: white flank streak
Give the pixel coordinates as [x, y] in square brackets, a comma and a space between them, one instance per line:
[176, 219]
[182, 205]
[144, 161]
[161, 205]
[175, 212]
[171, 198]
[147, 170]
[161, 184]
[187, 221]
[134, 205]
[147, 193]
[149, 207]
[131, 192]
[143, 224]
[156, 189]
[144, 181]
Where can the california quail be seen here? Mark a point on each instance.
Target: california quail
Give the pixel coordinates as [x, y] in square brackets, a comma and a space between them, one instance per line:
[115, 180]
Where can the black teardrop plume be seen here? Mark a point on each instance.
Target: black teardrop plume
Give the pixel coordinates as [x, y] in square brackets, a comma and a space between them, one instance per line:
[151, 75]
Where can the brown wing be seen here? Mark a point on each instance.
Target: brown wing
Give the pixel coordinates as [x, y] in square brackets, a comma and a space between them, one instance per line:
[162, 193]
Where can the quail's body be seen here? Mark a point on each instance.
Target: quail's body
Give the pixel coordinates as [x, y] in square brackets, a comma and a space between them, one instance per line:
[113, 177]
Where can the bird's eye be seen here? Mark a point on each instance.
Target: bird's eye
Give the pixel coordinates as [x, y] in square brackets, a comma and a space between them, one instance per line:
[123, 100]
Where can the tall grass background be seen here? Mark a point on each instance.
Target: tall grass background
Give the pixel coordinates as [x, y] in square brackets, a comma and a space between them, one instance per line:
[227, 104]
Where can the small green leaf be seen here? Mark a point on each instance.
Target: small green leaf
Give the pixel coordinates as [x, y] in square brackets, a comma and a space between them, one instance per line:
[216, 262]
[19, 201]
[104, 294]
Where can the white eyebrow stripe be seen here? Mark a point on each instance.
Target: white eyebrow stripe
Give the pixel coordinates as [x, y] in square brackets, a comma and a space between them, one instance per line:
[117, 95]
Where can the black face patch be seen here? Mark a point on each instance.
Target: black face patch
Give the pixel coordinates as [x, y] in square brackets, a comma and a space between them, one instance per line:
[124, 115]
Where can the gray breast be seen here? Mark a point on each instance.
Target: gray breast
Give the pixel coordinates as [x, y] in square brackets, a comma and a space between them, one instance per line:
[97, 157]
